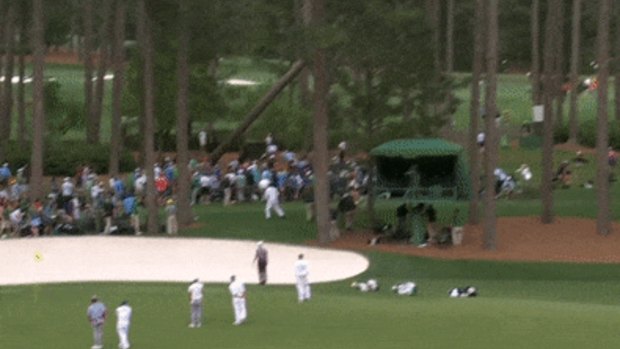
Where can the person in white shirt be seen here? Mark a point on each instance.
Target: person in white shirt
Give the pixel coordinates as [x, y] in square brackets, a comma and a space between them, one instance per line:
[301, 276]
[237, 291]
[202, 139]
[123, 320]
[195, 301]
[16, 217]
[272, 198]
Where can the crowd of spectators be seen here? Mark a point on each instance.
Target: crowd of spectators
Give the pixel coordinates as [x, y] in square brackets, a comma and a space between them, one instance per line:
[90, 203]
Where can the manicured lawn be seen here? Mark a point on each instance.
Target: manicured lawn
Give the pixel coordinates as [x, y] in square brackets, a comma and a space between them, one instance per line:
[521, 305]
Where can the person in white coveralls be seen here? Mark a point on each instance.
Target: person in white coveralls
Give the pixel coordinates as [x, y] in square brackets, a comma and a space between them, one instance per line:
[123, 320]
[237, 291]
[301, 276]
[272, 197]
[195, 301]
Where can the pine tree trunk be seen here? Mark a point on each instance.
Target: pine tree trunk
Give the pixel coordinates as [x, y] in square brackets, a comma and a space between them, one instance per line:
[38, 114]
[574, 72]
[145, 35]
[21, 101]
[474, 111]
[617, 65]
[104, 57]
[320, 161]
[88, 70]
[603, 217]
[21, 87]
[559, 74]
[546, 186]
[185, 215]
[450, 52]
[536, 83]
[491, 139]
[118, 62]
[6, 107]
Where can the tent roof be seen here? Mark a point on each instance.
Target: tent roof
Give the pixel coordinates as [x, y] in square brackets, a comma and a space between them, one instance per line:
[412, 148]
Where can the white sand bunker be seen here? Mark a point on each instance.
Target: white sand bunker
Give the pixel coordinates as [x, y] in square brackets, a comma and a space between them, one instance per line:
[107, 258]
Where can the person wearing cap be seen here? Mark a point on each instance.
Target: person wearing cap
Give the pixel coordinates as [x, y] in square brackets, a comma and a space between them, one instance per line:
[195, 301]
[237, 291]
[123, 320]
[172, 227]
[301, 277]
[96, 316]
[261, 258]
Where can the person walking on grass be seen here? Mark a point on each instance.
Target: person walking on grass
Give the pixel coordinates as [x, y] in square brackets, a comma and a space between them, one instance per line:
[272, 198]
[261, 258]
[96, 316]
[237, 291]
[301, 278]
[123, 320]
[195, 301]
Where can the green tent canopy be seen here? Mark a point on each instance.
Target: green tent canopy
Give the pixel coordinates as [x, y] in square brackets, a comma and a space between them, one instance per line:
[428, 168]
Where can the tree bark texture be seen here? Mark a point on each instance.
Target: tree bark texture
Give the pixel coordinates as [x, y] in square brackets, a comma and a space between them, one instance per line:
[546, 186]
[536, 83]
[21, 87]
[6, 106]
[87, 21]
[38, 115]
[104, 57]
[145, 35]
[491, 139]
[574, 72]
[118, 63]
[603, 217]
[184, 211]
[474, 111]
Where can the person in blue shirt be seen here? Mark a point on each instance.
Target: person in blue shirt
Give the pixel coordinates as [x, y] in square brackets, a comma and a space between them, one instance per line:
[5, 173]
[130, 206]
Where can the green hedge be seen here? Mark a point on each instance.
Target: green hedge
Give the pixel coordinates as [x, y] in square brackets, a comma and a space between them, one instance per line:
[63, 158]
[587, 133]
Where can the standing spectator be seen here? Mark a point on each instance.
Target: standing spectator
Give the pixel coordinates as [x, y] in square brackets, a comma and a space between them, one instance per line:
[307, 195]
[96, 316]
[5, 174]
[123, 321]
[240, 185]
[202, 139]
[130, 206]
[195, 301]
[272, 198]
[17, 218]
[261, 258]
[237, 291]
[301, 276]
[66, 190]
[431, 216]
[227, 184]
[108, 213]
[342, 149]
[347, 206]
[172, 228]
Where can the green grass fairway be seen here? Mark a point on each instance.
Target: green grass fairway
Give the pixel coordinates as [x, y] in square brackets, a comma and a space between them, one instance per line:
[522, 305]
